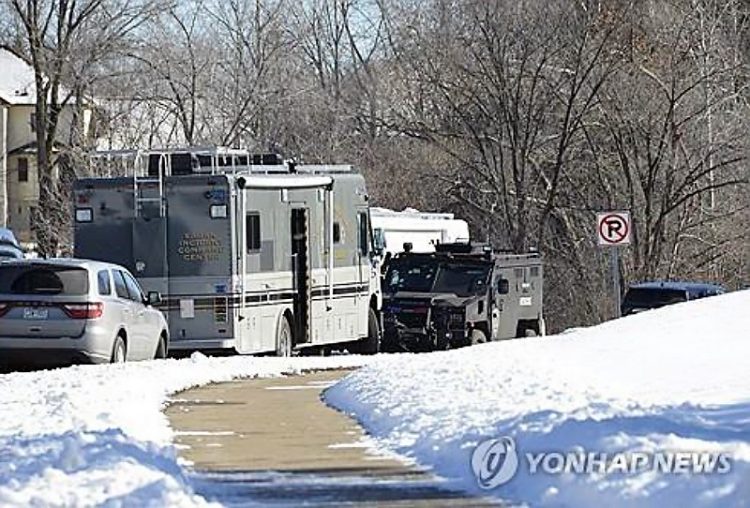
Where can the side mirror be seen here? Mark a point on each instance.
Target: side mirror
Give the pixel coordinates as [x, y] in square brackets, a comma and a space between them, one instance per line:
[503, 286]
[153, 298]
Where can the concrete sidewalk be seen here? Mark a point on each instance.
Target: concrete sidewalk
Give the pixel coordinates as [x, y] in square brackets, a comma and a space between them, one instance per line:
[274, 442]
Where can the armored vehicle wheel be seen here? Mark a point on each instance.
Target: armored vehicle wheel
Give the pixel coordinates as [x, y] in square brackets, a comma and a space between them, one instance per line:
[284, 338]
[477, 337]
[118, 350]
[528, 328]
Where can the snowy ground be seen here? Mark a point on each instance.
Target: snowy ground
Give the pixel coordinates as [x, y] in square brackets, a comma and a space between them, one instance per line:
[95, 435]
[675, 379]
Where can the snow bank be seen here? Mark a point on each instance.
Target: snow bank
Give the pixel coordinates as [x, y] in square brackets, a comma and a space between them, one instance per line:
[96, 435]
[671, 379]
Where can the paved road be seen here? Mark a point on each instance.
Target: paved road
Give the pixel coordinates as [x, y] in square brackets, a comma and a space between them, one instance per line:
[274, 442]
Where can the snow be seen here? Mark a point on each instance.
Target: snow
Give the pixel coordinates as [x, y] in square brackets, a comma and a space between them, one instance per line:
[96, 435]
[17, 80]
[673, 379]
[17, 85]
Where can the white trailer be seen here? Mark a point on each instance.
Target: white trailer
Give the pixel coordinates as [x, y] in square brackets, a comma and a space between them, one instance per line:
[423, 230]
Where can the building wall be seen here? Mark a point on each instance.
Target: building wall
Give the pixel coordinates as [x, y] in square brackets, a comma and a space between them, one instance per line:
[22, 196]
[20, 129]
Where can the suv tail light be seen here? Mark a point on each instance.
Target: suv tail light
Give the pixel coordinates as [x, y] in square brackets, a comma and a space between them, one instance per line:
[84, 310]
[4, 307]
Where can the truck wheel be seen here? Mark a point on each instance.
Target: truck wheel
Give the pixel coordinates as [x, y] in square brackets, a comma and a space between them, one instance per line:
[284, 338]
[527, 328]
[370, 345]
[477, 337]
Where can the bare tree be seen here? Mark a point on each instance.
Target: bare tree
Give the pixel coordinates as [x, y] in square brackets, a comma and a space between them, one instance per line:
[65, 41]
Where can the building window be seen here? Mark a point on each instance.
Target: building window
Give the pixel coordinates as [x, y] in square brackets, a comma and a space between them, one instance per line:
[23, 169]
[252, 232]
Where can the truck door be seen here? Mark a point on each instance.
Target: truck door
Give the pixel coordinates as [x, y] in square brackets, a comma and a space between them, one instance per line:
[364, 267]
[301, 274]
[150, 236]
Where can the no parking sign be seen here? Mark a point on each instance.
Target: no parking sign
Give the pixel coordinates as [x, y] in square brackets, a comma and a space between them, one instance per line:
[613, 228]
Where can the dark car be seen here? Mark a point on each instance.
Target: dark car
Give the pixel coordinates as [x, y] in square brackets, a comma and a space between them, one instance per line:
[652, 295]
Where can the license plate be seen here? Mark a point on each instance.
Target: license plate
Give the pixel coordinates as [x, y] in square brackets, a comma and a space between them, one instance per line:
[525, 301]
[32, 313]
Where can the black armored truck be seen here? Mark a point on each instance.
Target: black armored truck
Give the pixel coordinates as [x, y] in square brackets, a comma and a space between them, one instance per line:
[460, 295]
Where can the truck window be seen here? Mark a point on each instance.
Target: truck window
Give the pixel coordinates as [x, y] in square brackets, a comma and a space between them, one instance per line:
[379, 239]
[364, 234]
[336, 232]
[252, 232]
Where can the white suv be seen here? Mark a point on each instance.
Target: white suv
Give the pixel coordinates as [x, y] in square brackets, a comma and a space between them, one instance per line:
[61, 311]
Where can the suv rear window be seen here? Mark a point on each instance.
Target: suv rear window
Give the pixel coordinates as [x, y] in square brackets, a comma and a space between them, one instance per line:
[43, 280]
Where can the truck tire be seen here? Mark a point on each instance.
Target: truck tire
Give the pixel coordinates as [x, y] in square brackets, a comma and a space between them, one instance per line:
[284, 342]
[370, 345]
[527, 328]
[477, 337]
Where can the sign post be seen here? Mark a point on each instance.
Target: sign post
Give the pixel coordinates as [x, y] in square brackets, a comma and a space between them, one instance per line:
[613, 230]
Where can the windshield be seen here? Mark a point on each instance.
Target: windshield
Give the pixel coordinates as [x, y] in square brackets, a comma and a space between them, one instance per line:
[653, 297]
[415, 275]
[461, 279]
[432, 276]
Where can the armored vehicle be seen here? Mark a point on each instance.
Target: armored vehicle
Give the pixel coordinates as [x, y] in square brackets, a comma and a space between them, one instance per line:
[460, 295]
[251, 254]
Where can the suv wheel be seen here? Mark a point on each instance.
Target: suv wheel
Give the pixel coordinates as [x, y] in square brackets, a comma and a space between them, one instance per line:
[118, 350]
[161, 348]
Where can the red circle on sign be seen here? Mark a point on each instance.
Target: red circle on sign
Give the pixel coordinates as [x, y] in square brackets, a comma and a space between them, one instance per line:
[605, 220]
